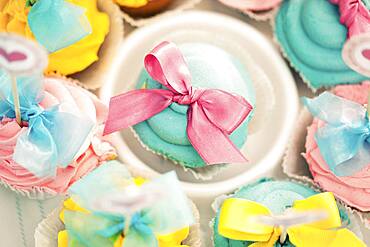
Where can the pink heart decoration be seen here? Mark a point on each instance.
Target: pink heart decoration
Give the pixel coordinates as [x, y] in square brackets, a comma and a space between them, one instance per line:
[366, 53]
[14, 56]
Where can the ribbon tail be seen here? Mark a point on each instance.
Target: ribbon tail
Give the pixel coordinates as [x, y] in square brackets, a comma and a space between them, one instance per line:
[212, 144]
[36, 151]
[137, 238]
[304, 236]
[136, 106]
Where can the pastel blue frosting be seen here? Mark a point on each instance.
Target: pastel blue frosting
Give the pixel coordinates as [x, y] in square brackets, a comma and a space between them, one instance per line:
[276, 195]
[210, 67]
[312, 37]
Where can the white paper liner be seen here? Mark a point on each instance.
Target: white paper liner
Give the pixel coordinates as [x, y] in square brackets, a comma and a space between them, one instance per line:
[43, 193]
[176, 7]
[94, 76]
[46, 233]
[294, 164]
[354, 226]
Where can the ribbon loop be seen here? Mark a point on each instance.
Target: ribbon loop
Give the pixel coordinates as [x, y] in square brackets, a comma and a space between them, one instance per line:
[239, 221]
[50, 140]
[343, 140]
[57, 24]
[212, 115]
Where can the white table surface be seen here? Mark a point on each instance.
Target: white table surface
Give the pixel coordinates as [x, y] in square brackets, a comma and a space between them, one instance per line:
[19, 216]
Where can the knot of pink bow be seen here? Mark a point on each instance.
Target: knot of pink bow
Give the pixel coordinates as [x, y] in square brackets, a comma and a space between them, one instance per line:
[355, 15]
[212, 115]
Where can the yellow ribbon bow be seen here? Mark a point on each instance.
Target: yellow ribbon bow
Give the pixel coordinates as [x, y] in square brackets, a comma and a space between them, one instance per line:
[239, 221]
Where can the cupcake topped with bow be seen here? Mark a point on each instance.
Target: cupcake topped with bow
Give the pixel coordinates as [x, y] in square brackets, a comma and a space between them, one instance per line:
[50, 129]
[327, 42]
[73, 32]
[283, 213]
[192, 105]
[337, 143]
[108, 207]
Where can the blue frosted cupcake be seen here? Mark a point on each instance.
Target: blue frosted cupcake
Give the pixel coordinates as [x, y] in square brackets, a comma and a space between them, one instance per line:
[313, 38]
[276, 197]
[210, 67]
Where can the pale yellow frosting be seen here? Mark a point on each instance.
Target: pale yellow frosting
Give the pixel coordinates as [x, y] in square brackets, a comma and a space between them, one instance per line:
[72, 59]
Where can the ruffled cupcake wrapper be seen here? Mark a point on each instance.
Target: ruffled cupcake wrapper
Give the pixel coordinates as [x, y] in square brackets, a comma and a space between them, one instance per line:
[46, 233]
[95, 75]
[174, 8]
[295, 166]
[354, 215]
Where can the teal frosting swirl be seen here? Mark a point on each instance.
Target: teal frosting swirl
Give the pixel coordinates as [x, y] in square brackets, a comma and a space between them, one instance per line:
[312, 38]
[210, 67]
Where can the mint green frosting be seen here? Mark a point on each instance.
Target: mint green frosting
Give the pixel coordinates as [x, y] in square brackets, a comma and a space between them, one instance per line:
[210, 67]
[276, 195]
[312, 37]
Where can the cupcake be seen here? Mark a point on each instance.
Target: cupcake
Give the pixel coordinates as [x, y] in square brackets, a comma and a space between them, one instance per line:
[259, 10]
[167, 116]
[347, 175]
[142, 12]
[303, 211]
[116, 209]
[143, 8]
[60, 139]
[77, 34]
[316, 35]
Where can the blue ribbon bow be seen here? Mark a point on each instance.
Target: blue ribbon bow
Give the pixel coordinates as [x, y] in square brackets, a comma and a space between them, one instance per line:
[97, 229]
[53, 137]
[344, 141]
[57, 24]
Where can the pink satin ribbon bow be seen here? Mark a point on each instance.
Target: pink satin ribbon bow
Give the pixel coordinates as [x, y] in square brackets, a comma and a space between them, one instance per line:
[355, 15]
[212, 115]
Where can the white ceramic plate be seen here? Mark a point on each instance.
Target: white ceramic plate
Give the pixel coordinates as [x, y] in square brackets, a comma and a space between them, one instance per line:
[264, 147]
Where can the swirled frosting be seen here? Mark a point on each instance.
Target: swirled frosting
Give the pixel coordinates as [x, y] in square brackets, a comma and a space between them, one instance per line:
[69, 60]
[276, 195]
[355, 189]
[210, 67]
[312, 38]
[96, 150]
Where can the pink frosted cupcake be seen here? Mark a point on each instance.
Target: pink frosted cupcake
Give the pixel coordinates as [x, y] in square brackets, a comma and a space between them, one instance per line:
[44, 167]
[257, 9]
[347, 174]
